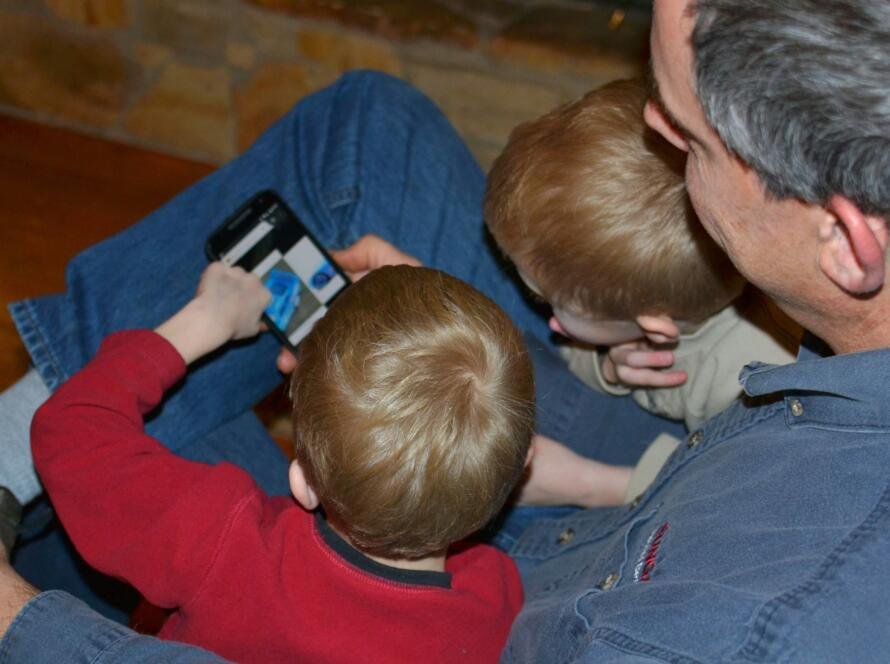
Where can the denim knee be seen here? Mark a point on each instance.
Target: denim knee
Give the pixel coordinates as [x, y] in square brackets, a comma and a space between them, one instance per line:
[386, 92]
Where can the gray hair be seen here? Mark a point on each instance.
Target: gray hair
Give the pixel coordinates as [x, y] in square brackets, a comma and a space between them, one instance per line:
[800, 90]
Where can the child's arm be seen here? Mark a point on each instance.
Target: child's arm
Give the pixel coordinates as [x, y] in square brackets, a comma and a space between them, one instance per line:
[559, 476]
[133, 509]
[227, 306]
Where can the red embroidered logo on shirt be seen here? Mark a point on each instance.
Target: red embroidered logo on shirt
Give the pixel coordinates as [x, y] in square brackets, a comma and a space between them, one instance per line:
[646, 564]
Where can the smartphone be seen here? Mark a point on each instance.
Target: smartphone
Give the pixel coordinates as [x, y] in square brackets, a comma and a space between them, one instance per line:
[265, 237]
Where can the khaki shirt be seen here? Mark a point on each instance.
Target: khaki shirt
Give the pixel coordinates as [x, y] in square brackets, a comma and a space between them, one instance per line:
[752, 328]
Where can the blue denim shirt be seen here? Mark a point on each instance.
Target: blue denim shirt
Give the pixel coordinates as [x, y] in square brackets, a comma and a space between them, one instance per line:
[764, 538]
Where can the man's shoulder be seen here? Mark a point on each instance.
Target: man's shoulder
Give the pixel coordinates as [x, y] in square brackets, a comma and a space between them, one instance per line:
[757, 531]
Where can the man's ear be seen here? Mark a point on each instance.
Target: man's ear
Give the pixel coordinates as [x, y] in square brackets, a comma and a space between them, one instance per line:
[304, 493]
[659, 329]
[852, 247]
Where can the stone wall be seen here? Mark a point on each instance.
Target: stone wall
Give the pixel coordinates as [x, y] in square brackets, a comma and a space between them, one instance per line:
[202, 78]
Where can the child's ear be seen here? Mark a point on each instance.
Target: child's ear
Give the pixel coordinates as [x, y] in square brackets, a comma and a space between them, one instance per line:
[304, 493]
[852, 247]
[531, 452]
[659, 329]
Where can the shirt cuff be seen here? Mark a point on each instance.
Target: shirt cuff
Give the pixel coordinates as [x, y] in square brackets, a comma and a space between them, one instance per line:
[56, 627]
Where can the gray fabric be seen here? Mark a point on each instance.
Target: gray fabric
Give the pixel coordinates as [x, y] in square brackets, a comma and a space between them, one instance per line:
[17, 406]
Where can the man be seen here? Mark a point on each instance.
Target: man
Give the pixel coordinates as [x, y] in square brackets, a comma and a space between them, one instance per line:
[765, 535]
[762, 538]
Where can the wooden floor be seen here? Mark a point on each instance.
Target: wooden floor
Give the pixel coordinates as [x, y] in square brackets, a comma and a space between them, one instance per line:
[59, 193]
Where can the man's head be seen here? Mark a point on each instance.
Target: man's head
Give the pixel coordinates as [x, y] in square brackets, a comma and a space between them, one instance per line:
[784, 109]
[413, 412]
[590, 206]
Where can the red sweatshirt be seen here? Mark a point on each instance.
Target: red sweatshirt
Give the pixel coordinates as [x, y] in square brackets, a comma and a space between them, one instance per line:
[250, 577]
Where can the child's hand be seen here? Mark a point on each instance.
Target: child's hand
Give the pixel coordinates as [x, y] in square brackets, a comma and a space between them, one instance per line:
[638, 364]
[227, 305]
[559, 476]
[234, 299]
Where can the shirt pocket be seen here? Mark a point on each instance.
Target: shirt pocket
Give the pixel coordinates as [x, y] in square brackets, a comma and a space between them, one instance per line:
[628, 560]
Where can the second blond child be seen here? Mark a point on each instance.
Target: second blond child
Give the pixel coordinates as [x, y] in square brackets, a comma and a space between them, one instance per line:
[591, 207]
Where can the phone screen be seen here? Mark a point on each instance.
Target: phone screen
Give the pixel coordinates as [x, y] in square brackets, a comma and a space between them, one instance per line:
[275, 246]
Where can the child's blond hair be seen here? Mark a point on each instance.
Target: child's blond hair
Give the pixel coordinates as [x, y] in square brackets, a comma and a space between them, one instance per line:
[413, 411]
[591, 205]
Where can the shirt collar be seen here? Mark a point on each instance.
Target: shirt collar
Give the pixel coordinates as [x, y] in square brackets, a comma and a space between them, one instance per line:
[358, 559]
[835, 391]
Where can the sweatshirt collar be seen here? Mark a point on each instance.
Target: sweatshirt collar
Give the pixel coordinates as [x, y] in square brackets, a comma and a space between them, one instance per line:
[386, 572]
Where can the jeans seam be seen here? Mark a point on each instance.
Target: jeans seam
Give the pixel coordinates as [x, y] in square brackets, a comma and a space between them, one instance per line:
[36, 344]
[339, 197]
[441, 224]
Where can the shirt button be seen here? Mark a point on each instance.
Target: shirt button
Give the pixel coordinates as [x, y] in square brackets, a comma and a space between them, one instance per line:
[565, 536]
[694, 440]
[609, 581]
[796, 408]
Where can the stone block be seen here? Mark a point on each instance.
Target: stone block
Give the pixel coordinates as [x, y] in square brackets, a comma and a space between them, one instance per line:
[272, 90]
[484, 108]
[93, 13]
[188, 110]
[342, 52]
[79, 78]
[21, 6]
[188, 26]
[271, 33]
[489, 12]
[582, 40]
[240, 55]
[153, 57]
[403, 20]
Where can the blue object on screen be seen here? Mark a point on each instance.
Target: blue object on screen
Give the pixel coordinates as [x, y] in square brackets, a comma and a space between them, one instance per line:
[285, 288]
[322, 276]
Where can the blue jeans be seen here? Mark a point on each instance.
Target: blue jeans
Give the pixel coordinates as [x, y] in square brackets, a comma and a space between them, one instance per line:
[367, 155]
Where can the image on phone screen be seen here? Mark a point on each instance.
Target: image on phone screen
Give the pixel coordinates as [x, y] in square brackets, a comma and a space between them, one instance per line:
[301, 279]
